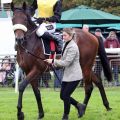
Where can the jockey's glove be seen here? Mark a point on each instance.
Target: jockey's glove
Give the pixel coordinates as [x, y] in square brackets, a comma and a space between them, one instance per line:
[40, 20]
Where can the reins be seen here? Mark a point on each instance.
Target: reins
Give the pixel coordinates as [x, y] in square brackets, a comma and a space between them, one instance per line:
[50, 65]
[31, 33]
[29, 52]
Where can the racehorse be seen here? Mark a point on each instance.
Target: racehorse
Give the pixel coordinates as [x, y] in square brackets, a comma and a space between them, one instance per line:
[30, 58]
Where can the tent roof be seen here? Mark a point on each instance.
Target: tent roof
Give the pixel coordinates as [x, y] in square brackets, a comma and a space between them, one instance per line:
[86, 15]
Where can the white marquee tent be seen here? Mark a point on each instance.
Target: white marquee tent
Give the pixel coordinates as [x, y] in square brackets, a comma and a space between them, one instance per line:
[6, 1]
[7, 38]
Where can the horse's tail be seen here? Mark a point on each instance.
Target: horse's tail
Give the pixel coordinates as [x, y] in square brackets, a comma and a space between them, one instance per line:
[104, 61]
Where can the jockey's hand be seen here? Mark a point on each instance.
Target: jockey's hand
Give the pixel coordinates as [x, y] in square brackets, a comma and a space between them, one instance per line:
[49, 61]
[40, 20]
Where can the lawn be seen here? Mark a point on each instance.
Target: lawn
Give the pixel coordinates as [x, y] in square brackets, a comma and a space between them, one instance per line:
[53, 106]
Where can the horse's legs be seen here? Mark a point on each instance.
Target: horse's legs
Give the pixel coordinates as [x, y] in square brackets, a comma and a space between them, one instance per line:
[88, 90]
[98, 82]
[22, 87]
[38, 99]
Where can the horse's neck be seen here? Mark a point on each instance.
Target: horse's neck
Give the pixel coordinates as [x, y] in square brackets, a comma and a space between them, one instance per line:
[31, 29]
[31, 25]
[33, 41]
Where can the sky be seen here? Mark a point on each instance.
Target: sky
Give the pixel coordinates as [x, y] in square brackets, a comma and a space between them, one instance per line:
[7, 38]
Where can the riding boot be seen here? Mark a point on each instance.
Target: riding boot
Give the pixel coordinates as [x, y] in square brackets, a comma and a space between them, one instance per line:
[65, 117]
[49, 36]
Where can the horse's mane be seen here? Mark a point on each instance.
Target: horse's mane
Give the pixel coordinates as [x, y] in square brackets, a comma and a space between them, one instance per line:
[32, 24]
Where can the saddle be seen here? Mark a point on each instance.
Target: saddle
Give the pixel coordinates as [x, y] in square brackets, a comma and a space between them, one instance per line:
[51, 46]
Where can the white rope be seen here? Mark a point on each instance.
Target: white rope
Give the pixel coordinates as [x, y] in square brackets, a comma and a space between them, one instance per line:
[19, 26]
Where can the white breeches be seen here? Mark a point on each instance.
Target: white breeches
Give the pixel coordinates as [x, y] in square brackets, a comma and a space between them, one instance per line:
[46, 27]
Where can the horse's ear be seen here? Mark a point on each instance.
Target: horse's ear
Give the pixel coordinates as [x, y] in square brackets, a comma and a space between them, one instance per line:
[12, 6]
[24, 6]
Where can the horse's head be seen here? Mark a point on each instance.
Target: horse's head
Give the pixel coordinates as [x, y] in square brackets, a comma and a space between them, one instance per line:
[20, 21]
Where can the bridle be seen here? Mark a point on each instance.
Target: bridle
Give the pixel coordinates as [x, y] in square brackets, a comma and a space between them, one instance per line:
[24, 28]
[22, 41]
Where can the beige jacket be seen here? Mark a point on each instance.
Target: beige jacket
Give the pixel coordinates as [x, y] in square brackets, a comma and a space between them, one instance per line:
[70, 62]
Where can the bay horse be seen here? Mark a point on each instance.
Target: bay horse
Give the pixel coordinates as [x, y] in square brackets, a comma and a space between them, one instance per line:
[30, 58]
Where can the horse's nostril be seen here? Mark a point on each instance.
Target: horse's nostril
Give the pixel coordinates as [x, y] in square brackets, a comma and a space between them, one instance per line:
[19, 38]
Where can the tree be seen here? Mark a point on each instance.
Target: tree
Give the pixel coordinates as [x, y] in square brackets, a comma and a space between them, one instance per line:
[112, 6]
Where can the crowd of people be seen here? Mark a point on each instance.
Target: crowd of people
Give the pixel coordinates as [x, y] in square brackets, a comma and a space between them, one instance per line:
[7, 69]
[111, 42]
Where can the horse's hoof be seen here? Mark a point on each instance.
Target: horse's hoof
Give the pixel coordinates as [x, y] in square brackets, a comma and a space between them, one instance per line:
[20, 116]
[40, 116]
[109, 109]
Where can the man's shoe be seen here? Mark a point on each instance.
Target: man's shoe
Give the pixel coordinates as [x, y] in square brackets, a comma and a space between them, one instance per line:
[81, 109]
[65, 117]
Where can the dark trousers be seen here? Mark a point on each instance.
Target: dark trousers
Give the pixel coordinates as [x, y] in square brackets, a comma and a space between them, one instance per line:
[67, 89]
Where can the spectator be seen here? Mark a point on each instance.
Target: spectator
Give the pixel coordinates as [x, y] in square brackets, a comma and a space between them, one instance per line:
[98, 33]
[5, 67]
[45, 77]
[57, 83]
[112, 42]
[98, 66]
[85, 28]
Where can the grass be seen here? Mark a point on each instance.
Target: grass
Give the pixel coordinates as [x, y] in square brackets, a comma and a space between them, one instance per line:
[53, 106]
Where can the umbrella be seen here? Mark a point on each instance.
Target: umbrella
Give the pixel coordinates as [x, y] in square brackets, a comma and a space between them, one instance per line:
[115, 25]
[59, 25]
[86, 15]
[114, 28]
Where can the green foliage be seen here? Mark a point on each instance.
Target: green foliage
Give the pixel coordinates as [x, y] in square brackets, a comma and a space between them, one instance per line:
[112, 6]
[20, 2]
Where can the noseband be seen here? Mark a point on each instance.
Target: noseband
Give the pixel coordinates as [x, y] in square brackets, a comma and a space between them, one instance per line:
[24, 28]
[20, 26]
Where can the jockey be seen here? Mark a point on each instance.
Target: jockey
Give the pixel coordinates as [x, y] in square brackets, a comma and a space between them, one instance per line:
[49, 13]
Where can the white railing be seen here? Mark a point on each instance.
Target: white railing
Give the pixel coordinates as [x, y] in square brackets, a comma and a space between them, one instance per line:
[12, 57]
[114, 60]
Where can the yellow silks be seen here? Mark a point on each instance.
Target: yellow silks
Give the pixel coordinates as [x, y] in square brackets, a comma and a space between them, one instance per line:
[45, 8]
